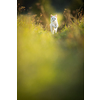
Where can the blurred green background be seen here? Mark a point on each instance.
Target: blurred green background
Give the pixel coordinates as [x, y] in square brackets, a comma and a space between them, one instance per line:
[50, 67]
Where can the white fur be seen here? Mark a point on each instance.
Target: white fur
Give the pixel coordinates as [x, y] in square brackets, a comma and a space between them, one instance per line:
[54, 24]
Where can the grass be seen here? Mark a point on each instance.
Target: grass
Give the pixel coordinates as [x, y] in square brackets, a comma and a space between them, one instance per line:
[49, 67]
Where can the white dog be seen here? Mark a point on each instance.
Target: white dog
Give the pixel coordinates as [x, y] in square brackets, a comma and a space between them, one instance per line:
[54, 24]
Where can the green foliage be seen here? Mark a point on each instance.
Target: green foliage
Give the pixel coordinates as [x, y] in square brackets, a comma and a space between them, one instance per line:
[49, 67]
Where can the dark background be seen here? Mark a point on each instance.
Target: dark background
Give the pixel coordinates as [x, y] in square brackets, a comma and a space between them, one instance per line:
[58, 5]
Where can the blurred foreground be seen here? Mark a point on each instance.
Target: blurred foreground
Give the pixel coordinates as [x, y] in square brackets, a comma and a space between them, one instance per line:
[50, 67]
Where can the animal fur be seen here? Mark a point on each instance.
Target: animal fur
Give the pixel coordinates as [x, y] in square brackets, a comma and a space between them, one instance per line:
[53, 24]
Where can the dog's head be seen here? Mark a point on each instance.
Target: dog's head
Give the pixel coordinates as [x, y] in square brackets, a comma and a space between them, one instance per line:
[53, 18]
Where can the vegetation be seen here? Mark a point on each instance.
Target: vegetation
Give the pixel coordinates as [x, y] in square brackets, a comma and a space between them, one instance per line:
[50, 67]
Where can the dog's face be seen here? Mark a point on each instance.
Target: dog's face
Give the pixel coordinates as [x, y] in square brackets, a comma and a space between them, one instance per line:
[53, 18]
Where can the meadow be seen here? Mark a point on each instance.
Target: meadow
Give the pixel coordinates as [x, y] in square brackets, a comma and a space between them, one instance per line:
[50, 67]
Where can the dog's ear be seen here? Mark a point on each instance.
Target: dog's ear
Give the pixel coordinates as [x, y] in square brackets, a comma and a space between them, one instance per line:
[51, 15]
[56, 15]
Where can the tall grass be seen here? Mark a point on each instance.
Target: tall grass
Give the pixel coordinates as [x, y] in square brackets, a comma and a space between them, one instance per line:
[49, 67]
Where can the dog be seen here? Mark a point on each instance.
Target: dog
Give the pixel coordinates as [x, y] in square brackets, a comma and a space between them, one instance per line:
[54, 24]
